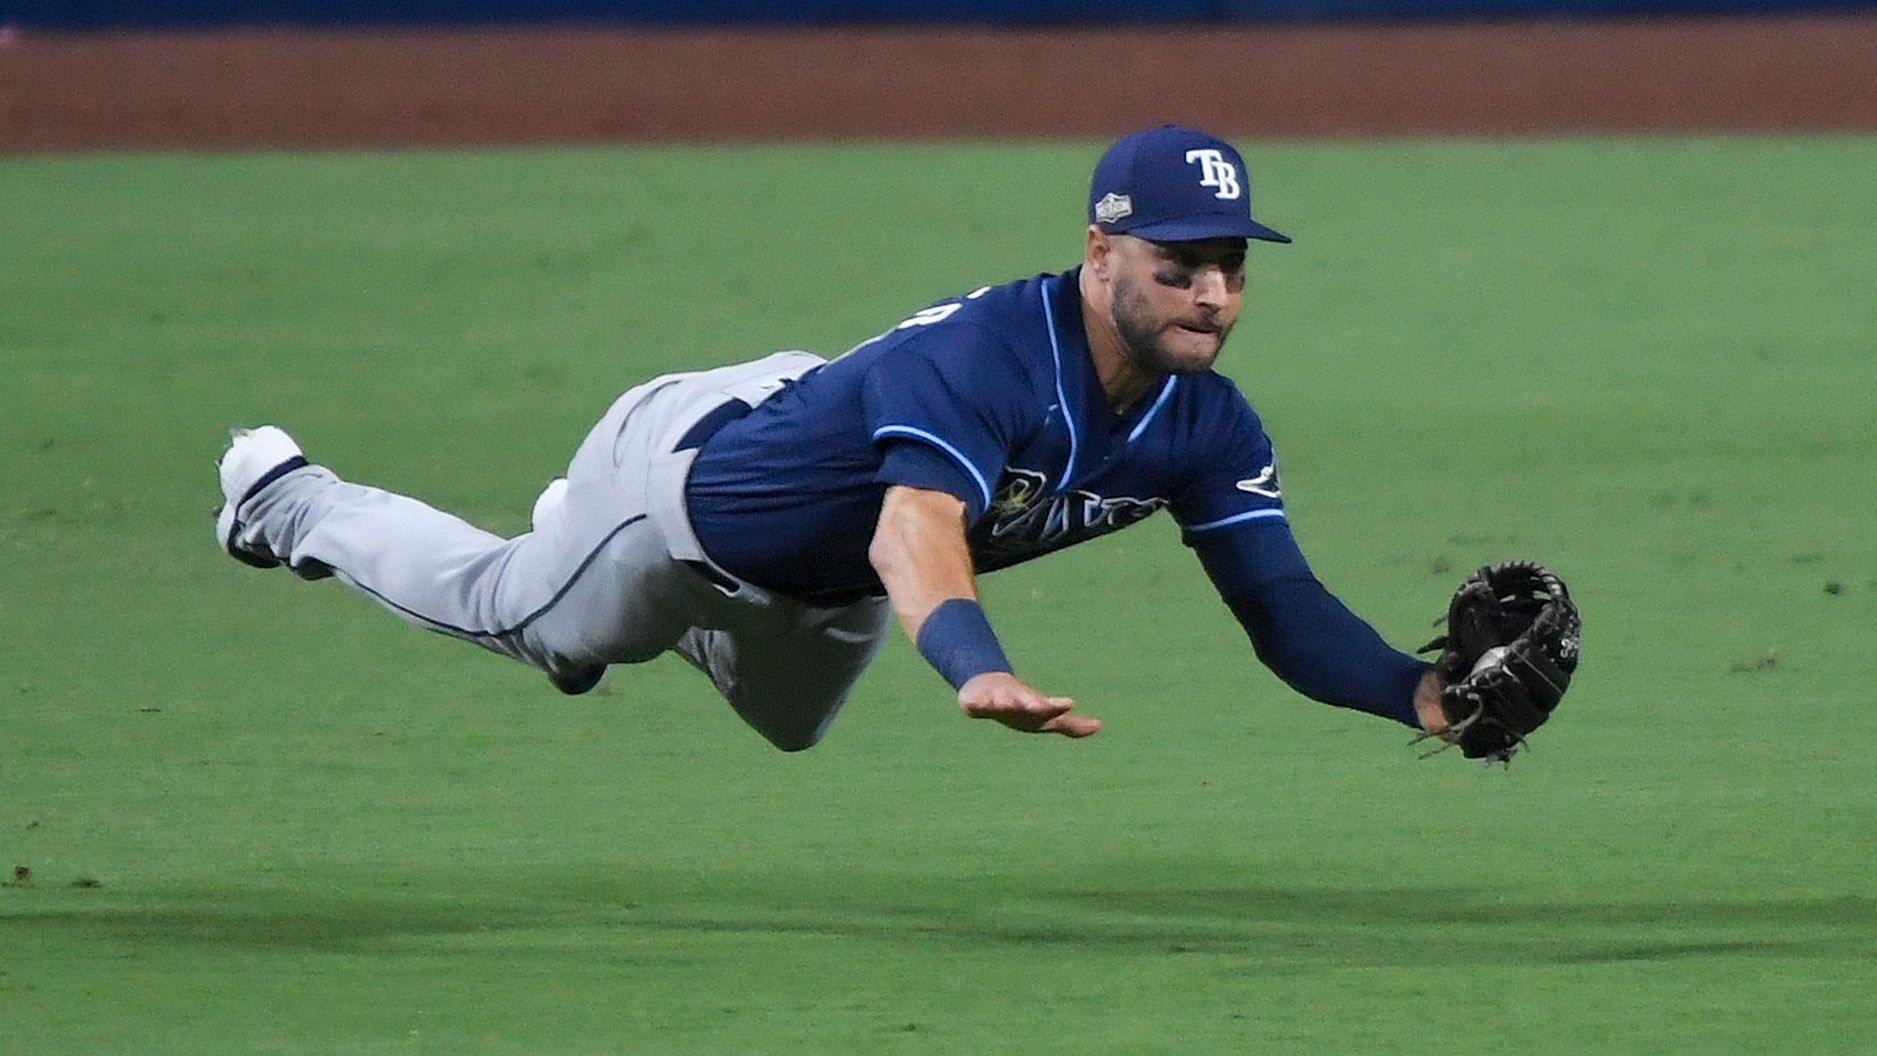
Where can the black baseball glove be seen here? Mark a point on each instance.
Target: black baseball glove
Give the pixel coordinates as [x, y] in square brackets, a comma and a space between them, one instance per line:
[1507, 657]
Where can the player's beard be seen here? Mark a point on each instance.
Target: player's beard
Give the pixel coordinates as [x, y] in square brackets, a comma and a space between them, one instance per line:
[1144, 335]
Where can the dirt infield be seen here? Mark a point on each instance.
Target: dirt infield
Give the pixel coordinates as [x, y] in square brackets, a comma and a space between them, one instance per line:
[334, 89]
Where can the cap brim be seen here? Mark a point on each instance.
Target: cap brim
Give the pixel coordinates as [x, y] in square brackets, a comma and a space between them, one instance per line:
[1199, 228]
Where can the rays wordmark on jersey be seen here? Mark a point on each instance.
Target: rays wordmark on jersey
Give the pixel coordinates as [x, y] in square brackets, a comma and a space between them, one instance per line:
[1026, 519]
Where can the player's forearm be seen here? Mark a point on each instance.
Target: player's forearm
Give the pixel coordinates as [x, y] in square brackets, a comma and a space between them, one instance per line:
[1307, 637]
[920, 554]
[1327, 653]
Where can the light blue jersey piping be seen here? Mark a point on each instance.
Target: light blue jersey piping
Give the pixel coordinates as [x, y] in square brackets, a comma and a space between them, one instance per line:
[1165, 391]
[1055, 355]
[959, 456]
[1233, 519]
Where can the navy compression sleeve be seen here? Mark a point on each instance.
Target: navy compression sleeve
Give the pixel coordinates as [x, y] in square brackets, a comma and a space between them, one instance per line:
[1298, 628]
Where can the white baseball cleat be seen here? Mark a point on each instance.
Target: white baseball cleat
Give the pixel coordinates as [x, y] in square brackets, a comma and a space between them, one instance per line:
[255, 458]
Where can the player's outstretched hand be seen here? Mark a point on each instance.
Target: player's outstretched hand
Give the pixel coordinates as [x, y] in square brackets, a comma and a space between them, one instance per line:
[997, 695]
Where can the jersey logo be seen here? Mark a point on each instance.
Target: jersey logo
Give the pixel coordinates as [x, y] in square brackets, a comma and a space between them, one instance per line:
[1215, 171]
[1026, 521]
[1113, 207]
[1265, 483]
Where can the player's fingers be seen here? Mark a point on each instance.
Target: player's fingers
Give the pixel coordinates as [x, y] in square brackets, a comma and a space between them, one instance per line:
[1030, 702]
[1019, 703]
[1015, 718]
[998, 706]
[1038, 704]
[995, 709]
[1072, 725]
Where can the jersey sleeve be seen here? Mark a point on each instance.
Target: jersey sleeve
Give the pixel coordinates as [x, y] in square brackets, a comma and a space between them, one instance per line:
[1233, 481]
[1300, 630]
[944, 408]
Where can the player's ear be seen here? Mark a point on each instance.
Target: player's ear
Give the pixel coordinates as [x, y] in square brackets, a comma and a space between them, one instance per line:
[1095, 251]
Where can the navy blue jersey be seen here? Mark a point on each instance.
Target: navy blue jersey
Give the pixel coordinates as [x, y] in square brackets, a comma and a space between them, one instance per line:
[991, 397]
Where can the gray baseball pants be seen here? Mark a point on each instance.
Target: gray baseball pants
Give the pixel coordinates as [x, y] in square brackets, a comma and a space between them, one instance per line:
[612, 574]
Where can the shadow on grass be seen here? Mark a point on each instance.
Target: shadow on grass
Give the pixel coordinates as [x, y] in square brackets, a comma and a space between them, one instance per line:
[1272, 928]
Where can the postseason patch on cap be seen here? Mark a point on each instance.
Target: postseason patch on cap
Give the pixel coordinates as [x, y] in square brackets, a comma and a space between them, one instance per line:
[1113, 207]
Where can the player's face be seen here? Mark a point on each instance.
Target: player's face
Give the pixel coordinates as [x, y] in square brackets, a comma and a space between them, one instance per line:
[1175, 302]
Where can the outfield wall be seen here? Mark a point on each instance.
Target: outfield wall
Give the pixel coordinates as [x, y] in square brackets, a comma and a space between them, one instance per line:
[183, 14]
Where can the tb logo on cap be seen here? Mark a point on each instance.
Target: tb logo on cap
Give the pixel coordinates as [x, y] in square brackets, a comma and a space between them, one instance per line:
[1215, 171]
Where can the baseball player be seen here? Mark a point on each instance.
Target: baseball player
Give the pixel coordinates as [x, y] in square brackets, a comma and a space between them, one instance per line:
[767, 520]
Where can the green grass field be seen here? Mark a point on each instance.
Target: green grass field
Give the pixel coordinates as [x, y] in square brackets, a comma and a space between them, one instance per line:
[262, 816]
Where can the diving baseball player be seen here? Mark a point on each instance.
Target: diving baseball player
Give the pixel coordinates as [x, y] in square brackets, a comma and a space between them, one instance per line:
[767, 520]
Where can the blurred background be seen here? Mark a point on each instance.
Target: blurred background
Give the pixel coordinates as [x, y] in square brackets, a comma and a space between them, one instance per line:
[348, 72]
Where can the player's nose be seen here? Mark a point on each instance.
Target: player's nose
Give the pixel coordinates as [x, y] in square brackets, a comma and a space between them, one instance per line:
[1209, 287]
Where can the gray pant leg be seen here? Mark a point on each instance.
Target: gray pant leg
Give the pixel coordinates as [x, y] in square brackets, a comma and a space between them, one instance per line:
[788, 679]
[565, 598]
[601, 580]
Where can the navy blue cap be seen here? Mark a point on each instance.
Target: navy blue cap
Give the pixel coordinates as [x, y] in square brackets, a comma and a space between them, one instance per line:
[1174, 184]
